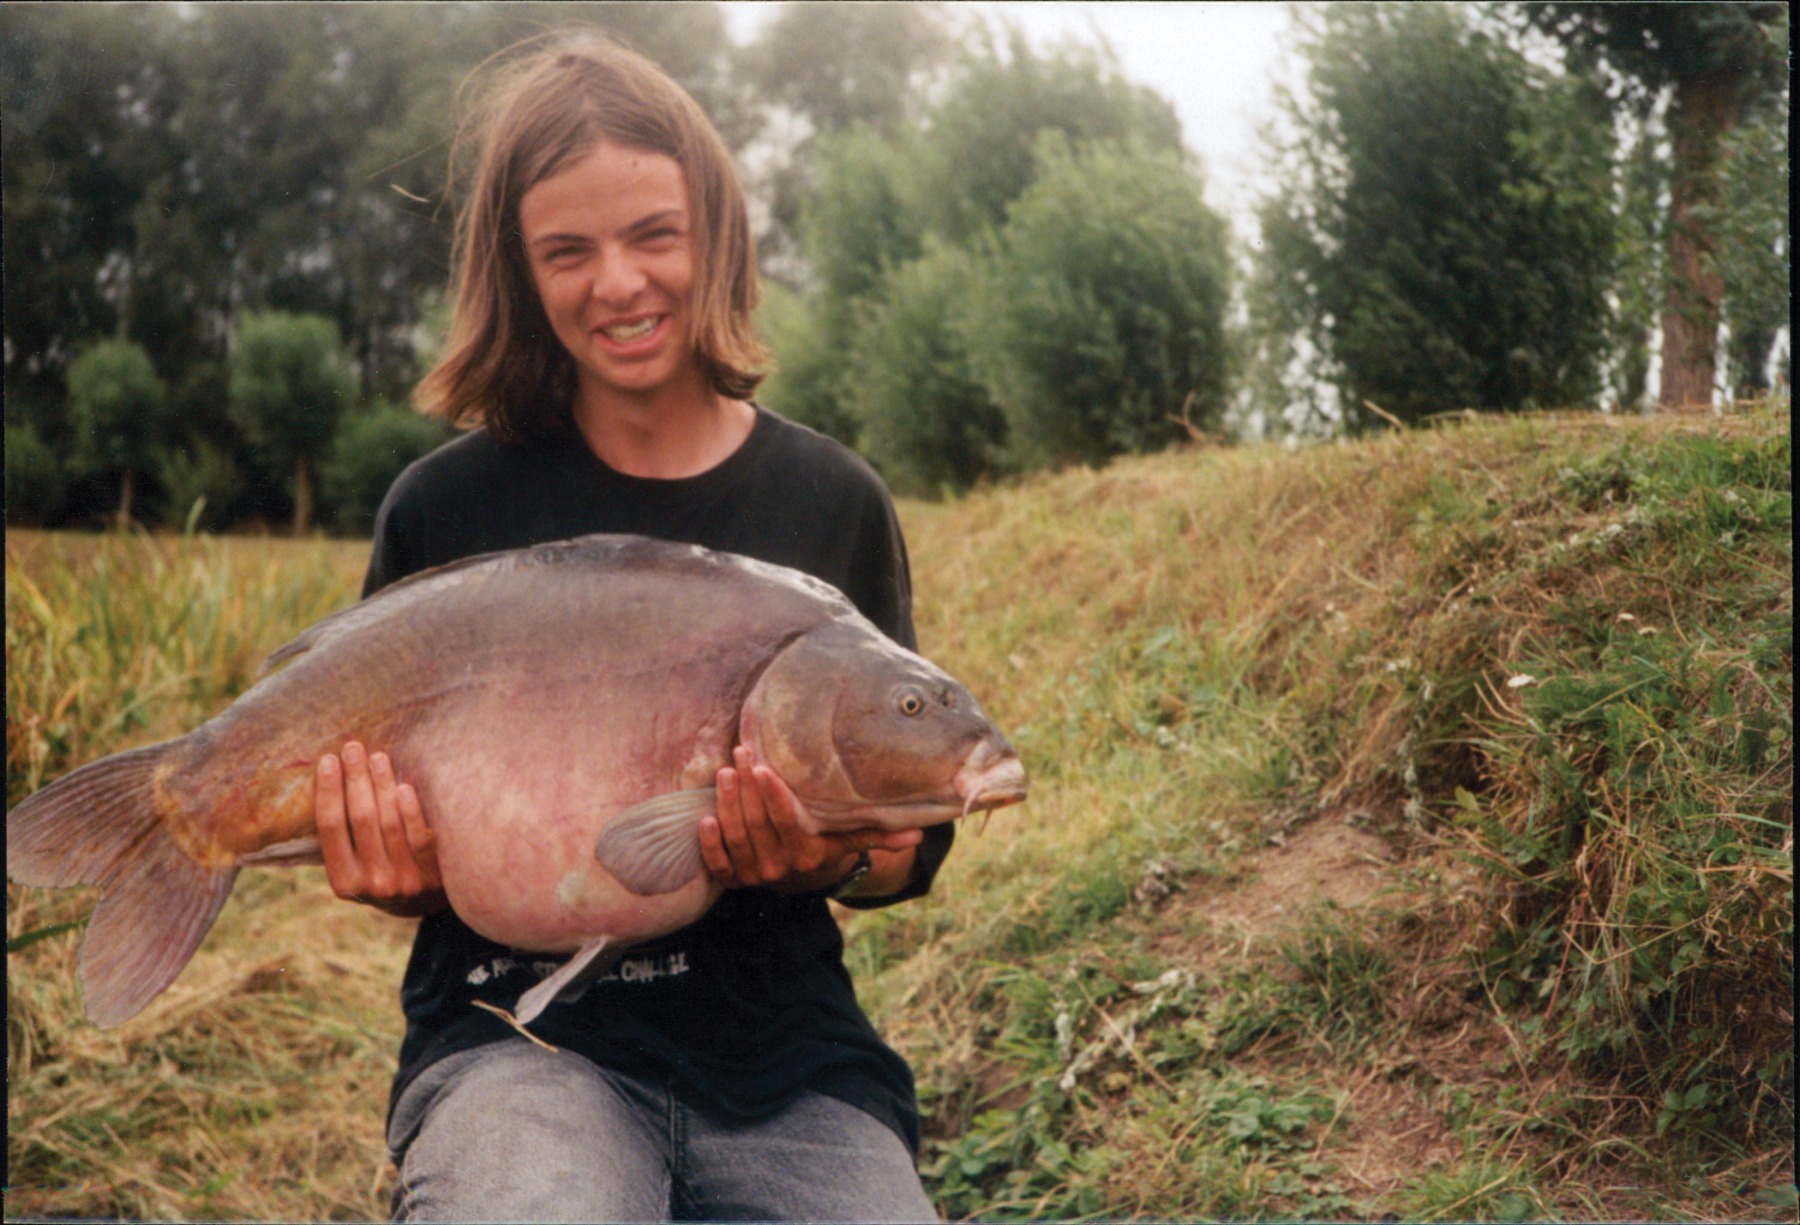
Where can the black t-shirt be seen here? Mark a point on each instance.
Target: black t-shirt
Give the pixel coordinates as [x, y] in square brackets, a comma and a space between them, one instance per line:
[751, 1005]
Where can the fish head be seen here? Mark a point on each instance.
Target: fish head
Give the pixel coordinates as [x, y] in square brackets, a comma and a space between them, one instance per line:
[870, 735]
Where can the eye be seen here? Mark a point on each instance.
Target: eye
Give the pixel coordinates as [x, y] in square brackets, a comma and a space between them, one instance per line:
[911, 703]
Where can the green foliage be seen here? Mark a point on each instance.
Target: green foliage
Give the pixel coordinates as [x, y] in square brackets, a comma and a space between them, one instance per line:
[201, 481]
[926, 421]
[289, 385]
[1637, 283]
[983, 136]
[900, 346]
[852, 67]
[1652, 45]
[1754, 249]
[868, 212]
[805, 384]
[859, 67]
[34, 479]
[118, 412]
[1719, 65]
[1440, 235]
[117, 406]
[289, 382]
[371, 449]
[1103, 308]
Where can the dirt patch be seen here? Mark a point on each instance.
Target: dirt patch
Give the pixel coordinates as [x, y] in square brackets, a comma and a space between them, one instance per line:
[1334, 861]
[1391, 1125]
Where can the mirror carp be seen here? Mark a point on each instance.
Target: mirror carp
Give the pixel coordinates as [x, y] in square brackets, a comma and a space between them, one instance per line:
[561, 711]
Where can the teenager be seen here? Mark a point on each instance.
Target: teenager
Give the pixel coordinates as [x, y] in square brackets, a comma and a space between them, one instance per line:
[602, 352]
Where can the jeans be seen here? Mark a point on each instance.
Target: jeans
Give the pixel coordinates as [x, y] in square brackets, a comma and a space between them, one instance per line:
[513, 1132]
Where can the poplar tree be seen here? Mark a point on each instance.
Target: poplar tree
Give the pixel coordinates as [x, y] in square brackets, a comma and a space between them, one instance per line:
[1721, 65]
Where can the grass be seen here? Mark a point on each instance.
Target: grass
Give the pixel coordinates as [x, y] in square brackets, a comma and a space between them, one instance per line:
[1318, 909]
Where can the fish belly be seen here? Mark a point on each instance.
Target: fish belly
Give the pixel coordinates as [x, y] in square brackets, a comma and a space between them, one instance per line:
[517, 817]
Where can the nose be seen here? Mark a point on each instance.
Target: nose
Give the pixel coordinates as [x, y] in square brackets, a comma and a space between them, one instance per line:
[618, 280]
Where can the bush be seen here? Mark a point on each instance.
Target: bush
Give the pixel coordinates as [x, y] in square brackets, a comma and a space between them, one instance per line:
[370, 451]
[34, 477]
[927, 421]
[1628, 786]
[289, 384]
[118, 411]
[810, 364]
[1105, 307]
[200, 481]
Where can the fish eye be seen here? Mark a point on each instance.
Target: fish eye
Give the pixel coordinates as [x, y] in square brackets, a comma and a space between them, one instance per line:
[911, 703]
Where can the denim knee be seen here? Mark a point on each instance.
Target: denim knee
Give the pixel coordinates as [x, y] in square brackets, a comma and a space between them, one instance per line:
[510, 1131]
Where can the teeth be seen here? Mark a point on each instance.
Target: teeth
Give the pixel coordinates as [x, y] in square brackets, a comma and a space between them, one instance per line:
[630, 332]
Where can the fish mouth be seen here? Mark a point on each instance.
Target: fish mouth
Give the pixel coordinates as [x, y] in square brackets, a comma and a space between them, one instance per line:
[993, 777]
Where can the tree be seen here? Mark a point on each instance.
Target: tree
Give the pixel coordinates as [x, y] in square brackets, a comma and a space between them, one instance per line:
[1442, 232]
[370, 451]
[34, 479]
[71, 154]
[883, 196]
[823, 70]
[982, 137]
[289, 384]
[1721, 63]
[1103, 310]
[807, 383]
[1754, 252]
[118, 409]
[927, 421]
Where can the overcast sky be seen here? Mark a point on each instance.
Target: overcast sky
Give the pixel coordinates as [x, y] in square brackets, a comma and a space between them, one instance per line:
[1215, 61]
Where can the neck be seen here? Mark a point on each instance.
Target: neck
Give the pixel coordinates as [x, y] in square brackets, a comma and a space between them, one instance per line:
[674, 434]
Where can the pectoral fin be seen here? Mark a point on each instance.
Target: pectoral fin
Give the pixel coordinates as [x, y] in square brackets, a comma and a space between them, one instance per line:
[654, 847]
[295, 853]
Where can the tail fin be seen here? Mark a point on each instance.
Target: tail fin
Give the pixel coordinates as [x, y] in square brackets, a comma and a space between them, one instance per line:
[100, 826]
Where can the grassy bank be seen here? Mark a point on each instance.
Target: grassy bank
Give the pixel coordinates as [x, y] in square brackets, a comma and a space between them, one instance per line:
[1410, 834]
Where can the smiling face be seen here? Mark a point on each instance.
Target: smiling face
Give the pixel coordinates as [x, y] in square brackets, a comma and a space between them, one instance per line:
[610, 243]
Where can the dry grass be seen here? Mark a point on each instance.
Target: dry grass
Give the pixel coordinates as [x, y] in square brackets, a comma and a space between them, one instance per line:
[1243, 953]
[255, 1088]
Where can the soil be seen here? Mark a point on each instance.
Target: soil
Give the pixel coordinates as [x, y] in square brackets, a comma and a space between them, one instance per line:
[1392, 1126]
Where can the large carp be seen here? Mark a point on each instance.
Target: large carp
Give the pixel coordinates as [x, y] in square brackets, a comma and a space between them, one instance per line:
[562, 712]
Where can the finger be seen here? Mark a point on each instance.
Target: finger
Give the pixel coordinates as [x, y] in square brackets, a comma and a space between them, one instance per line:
[802, 852]
[713, 853]
[734, 840]
[419, 838]
[341, 868]
[779, 802]
[772, 857]
[365, 821]
[393, 829]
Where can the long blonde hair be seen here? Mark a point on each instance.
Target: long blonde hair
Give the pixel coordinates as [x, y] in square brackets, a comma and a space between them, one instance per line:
[549, 102]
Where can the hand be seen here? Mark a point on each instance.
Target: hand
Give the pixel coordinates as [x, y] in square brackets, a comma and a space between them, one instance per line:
[372, 833]
[756, 838]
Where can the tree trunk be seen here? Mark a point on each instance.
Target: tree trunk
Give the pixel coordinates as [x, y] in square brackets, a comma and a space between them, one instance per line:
[123, 520]
[1705, 108]
[302, 497]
